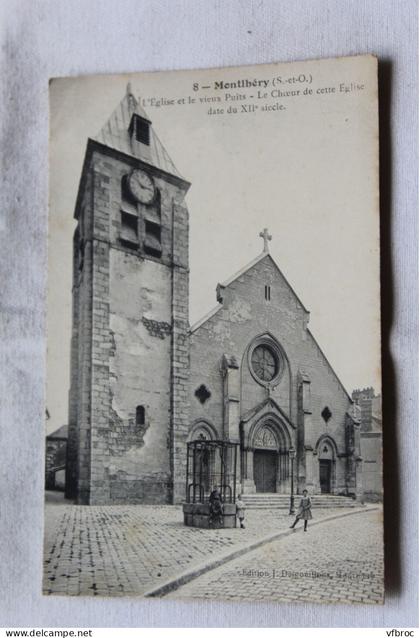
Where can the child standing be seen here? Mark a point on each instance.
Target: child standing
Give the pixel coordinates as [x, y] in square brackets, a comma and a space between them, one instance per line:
[240, 511]
[304, 511]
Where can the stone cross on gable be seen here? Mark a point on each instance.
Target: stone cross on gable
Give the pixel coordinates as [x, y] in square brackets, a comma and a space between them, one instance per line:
[266, 237]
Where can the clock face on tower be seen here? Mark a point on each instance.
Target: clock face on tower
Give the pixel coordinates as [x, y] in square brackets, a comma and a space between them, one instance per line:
[141, 187]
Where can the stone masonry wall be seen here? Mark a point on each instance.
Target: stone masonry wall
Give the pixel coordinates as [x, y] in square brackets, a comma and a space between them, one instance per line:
[140, 375]
[180, 356]
[79, 429]
[72, 444]
[100, 399]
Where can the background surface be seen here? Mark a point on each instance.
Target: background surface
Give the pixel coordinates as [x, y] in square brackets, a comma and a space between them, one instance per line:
[48, 39]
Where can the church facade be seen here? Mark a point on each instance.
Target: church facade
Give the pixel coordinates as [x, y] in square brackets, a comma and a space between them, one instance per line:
[144, 383]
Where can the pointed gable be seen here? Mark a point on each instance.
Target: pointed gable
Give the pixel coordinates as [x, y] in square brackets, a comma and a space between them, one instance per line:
[117, 134]
[264, 407]
[221, 287]
[248, 267]
[224, 298]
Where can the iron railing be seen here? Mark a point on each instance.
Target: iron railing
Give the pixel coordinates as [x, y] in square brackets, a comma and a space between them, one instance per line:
[210, 465]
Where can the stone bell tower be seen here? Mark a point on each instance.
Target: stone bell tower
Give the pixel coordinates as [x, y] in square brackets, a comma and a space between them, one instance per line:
[128, 402]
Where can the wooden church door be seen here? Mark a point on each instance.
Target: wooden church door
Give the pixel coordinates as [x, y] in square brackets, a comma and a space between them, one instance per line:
[265, 470]
[325, 476]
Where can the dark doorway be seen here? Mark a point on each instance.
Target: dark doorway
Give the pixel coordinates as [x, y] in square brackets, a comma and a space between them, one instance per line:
[265, 470]
[325, 476]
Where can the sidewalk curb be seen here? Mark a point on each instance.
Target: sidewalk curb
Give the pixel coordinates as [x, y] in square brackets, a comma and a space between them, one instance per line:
[174, 583]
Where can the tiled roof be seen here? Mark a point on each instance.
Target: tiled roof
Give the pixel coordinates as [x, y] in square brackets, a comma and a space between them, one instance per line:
[114, 134]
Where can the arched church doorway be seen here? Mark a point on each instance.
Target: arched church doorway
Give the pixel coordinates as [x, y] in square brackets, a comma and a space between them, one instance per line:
[270, 459]
[326, 458]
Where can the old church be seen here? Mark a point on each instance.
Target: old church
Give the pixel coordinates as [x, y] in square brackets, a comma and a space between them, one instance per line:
[144, 383]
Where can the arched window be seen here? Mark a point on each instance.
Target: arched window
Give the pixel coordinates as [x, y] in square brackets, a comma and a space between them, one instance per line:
[202, 430]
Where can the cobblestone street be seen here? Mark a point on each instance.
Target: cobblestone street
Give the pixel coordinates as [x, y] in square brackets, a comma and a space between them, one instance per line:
[339, 561]
[128, 550]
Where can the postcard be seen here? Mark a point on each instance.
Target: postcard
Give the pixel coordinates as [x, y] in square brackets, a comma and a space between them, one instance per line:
[213, 418]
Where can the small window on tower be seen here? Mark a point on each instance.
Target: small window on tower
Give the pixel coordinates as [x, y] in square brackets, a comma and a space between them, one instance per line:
[152, 245]
[140, 415]
[129, 229]
[142, 131]
[267, 293]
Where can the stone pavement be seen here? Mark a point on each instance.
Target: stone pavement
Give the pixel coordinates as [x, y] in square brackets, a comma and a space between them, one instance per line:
[125, 550]
[335, 562]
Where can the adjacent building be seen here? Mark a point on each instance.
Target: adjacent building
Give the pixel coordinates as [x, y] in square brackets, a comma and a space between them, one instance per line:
[55, 459]
[370, 405]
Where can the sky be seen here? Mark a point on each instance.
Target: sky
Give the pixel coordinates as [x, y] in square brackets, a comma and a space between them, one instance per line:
[307, 169]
